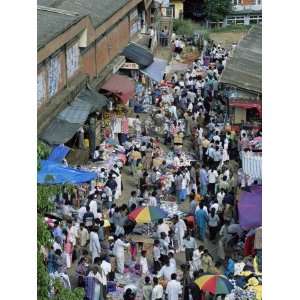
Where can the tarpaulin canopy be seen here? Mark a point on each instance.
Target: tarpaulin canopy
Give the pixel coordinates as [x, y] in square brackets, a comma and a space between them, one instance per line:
[57, 173]
[156, 70]
[95, 99]
[249, 208]
[120, 85]
[77, 112]
[59, 132]
[64, 126]
[58, 153]
[138, 54]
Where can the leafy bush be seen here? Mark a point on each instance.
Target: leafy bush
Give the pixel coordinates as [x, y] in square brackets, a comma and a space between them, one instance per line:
[185, 27]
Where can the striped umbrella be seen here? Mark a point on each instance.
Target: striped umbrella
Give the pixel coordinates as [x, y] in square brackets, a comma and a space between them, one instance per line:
[215, 284]
[142, 215]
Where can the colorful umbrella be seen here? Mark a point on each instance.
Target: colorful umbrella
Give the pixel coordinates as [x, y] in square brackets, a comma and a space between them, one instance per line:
[148, 214]
[215, 284]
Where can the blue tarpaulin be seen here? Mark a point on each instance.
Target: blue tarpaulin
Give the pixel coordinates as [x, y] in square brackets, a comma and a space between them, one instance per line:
[56, 173]
[59, 153]
[156, 70]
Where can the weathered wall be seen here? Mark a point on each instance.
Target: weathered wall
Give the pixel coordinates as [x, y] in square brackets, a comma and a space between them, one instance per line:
[57, 71]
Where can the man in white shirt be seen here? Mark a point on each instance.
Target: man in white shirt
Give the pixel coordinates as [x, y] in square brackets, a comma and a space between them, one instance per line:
[83, 235]
[151, 37]
[166, 271]
[220, 197]
[162, 227]
[180, 229]
[158, 291]
[81, 212]
[93, 206]
[95, 247]
[106, 269]
[174, 288]
[119, 252]
[152, 199]
[212, 178]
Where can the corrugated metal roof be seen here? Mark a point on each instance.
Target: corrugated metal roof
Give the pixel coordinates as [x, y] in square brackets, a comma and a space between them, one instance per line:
[99, 10]
[76, 113]
[138, 54]
[50, 25]
[243, 69]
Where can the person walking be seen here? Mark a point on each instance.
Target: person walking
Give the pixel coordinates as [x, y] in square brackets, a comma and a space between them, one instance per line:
[119, 252]
[95, 247]
[147, 289]
[213, 224]
[203, 181]
[190, 245]
[174, 288]
[201, 219]
[158, 291]
[212, 179]
[180, 229]
[135, 158]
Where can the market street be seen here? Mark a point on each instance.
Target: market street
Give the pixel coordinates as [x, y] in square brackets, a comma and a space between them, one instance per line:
[149, 180]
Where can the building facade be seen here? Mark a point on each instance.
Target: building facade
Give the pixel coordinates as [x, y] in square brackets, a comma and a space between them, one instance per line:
[80, 44]
[244, 12]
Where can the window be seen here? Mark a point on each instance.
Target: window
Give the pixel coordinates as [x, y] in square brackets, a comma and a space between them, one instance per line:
[239, 20]
[236, 2]
[258, 2]
[54, 71]
[41, 89]
[72, 60]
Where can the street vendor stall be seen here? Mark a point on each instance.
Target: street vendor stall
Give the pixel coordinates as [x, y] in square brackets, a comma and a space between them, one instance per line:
[250, 208]
[121, 86]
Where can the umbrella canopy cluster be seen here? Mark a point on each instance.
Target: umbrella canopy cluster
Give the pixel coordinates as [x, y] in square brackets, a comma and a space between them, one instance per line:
[214, 284]
[145, 215]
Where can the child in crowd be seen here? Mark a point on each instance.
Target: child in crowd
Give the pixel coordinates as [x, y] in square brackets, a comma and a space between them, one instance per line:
[133, 250]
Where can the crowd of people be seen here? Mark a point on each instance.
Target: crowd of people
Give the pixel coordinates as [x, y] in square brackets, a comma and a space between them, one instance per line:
[189, 112]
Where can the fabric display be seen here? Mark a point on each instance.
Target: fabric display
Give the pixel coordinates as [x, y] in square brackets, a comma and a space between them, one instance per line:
[252, 165]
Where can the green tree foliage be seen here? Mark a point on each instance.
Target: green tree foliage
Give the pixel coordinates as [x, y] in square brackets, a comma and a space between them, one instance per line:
[43, 151]
[216, 10]
[65, 294]
[185, 27]
[44, 205]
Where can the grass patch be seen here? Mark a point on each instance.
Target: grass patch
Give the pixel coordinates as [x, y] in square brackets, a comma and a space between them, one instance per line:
[231, 28]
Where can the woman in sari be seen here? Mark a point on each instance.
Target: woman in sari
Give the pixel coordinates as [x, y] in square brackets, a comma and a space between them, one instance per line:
[68, 247]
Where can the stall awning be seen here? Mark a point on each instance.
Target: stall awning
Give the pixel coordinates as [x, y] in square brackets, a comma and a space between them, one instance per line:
[67, 122]
[249, 207]
[156, 70]
[122, 86]
[58, 153]
[77, 112]
[59, 132]
[138, 54]
[57, 173]
[245, 105]
[95, 99]
[86, 102]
